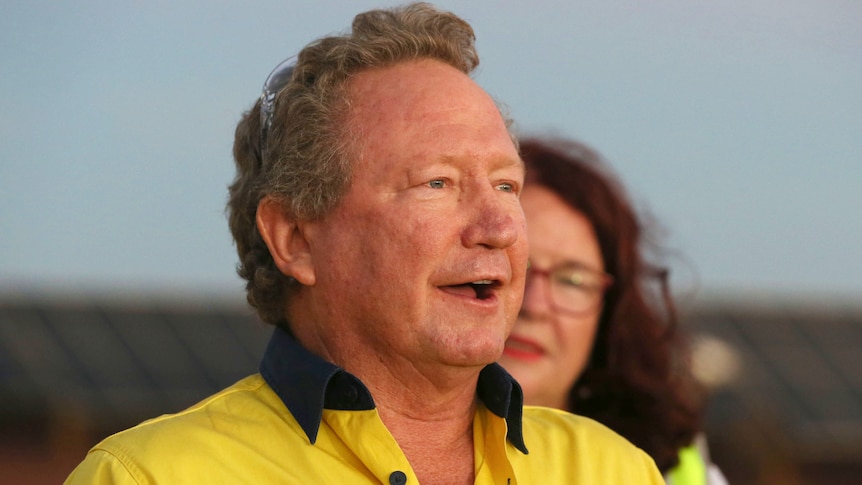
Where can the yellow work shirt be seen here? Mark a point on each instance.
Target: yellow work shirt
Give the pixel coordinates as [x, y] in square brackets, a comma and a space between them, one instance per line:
[264, 430]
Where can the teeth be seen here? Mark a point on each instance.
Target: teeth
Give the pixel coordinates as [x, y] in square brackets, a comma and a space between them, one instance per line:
[482, 282]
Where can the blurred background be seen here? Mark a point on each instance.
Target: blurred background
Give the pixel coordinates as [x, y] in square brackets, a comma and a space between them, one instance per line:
[737, 125]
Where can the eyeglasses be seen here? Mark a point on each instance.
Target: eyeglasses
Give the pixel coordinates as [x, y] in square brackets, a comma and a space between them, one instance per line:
[276, 80]
[573, 288]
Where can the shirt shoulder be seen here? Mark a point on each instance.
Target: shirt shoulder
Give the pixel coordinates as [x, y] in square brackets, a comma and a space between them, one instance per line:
[583, 449]
[235, 422]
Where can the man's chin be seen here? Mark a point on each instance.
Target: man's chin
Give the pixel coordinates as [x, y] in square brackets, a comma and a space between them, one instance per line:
[477, 354]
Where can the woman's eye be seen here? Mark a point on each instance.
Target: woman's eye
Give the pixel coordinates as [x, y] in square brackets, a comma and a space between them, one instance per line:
[574, 280]
[437, 184]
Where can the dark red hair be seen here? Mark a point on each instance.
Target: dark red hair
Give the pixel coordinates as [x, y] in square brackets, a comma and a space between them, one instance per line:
[637, 380]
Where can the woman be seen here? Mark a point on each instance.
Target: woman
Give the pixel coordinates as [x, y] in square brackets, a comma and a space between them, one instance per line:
[597, 334]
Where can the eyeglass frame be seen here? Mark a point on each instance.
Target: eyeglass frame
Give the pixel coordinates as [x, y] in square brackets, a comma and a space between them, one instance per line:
[606, 280]
[277, 79]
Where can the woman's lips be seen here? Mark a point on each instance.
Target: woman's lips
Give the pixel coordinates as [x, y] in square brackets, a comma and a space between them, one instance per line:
[521, 348]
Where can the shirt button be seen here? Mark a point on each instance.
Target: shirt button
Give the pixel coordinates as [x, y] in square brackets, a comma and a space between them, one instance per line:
[352, 395]
[397, 478]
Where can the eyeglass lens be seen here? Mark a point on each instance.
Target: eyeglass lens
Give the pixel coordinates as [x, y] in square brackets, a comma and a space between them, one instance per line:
[574, 288]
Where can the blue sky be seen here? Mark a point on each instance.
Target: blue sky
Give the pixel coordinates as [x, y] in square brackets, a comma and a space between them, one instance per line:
[736, 124]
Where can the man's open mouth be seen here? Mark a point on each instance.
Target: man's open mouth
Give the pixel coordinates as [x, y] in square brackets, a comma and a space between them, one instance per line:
[483, 288]
[480, 289]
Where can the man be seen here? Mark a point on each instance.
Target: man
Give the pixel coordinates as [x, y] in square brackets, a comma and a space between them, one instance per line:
[376, 216]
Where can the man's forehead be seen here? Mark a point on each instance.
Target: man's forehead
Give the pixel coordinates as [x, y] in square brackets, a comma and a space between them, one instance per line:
[403, 87]
[422, 111]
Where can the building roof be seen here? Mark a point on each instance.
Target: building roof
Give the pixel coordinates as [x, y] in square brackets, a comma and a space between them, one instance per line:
[794, 370]
[798, 372]
[119, 362]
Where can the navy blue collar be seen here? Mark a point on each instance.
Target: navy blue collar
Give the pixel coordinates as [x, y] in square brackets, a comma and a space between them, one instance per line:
[307, 385]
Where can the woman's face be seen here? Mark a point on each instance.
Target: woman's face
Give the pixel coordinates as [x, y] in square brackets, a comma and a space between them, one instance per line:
[548, 349]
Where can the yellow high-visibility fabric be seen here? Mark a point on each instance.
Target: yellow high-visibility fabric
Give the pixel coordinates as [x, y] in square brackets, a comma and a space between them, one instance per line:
[245, 434]
[691, 469]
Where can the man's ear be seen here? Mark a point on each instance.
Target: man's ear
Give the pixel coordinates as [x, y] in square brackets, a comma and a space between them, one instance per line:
[286, 242]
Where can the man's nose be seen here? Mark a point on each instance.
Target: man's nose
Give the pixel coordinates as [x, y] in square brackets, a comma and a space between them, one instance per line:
[496, 223]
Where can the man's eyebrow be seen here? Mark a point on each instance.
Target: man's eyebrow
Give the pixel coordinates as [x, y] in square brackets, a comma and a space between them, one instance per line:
[518, 161]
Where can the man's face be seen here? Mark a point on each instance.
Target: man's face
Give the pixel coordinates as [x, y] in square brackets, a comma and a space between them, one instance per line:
[423, 261]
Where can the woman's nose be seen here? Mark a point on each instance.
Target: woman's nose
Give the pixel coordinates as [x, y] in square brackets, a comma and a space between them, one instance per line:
[536, 295]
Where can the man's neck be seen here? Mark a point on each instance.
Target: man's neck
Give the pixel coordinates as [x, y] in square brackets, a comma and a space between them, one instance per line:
[428, 407]
[429, 410]
[441, 437]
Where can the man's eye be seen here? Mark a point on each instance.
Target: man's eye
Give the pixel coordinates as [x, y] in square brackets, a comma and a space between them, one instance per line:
[437, 184]
[506, 187]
